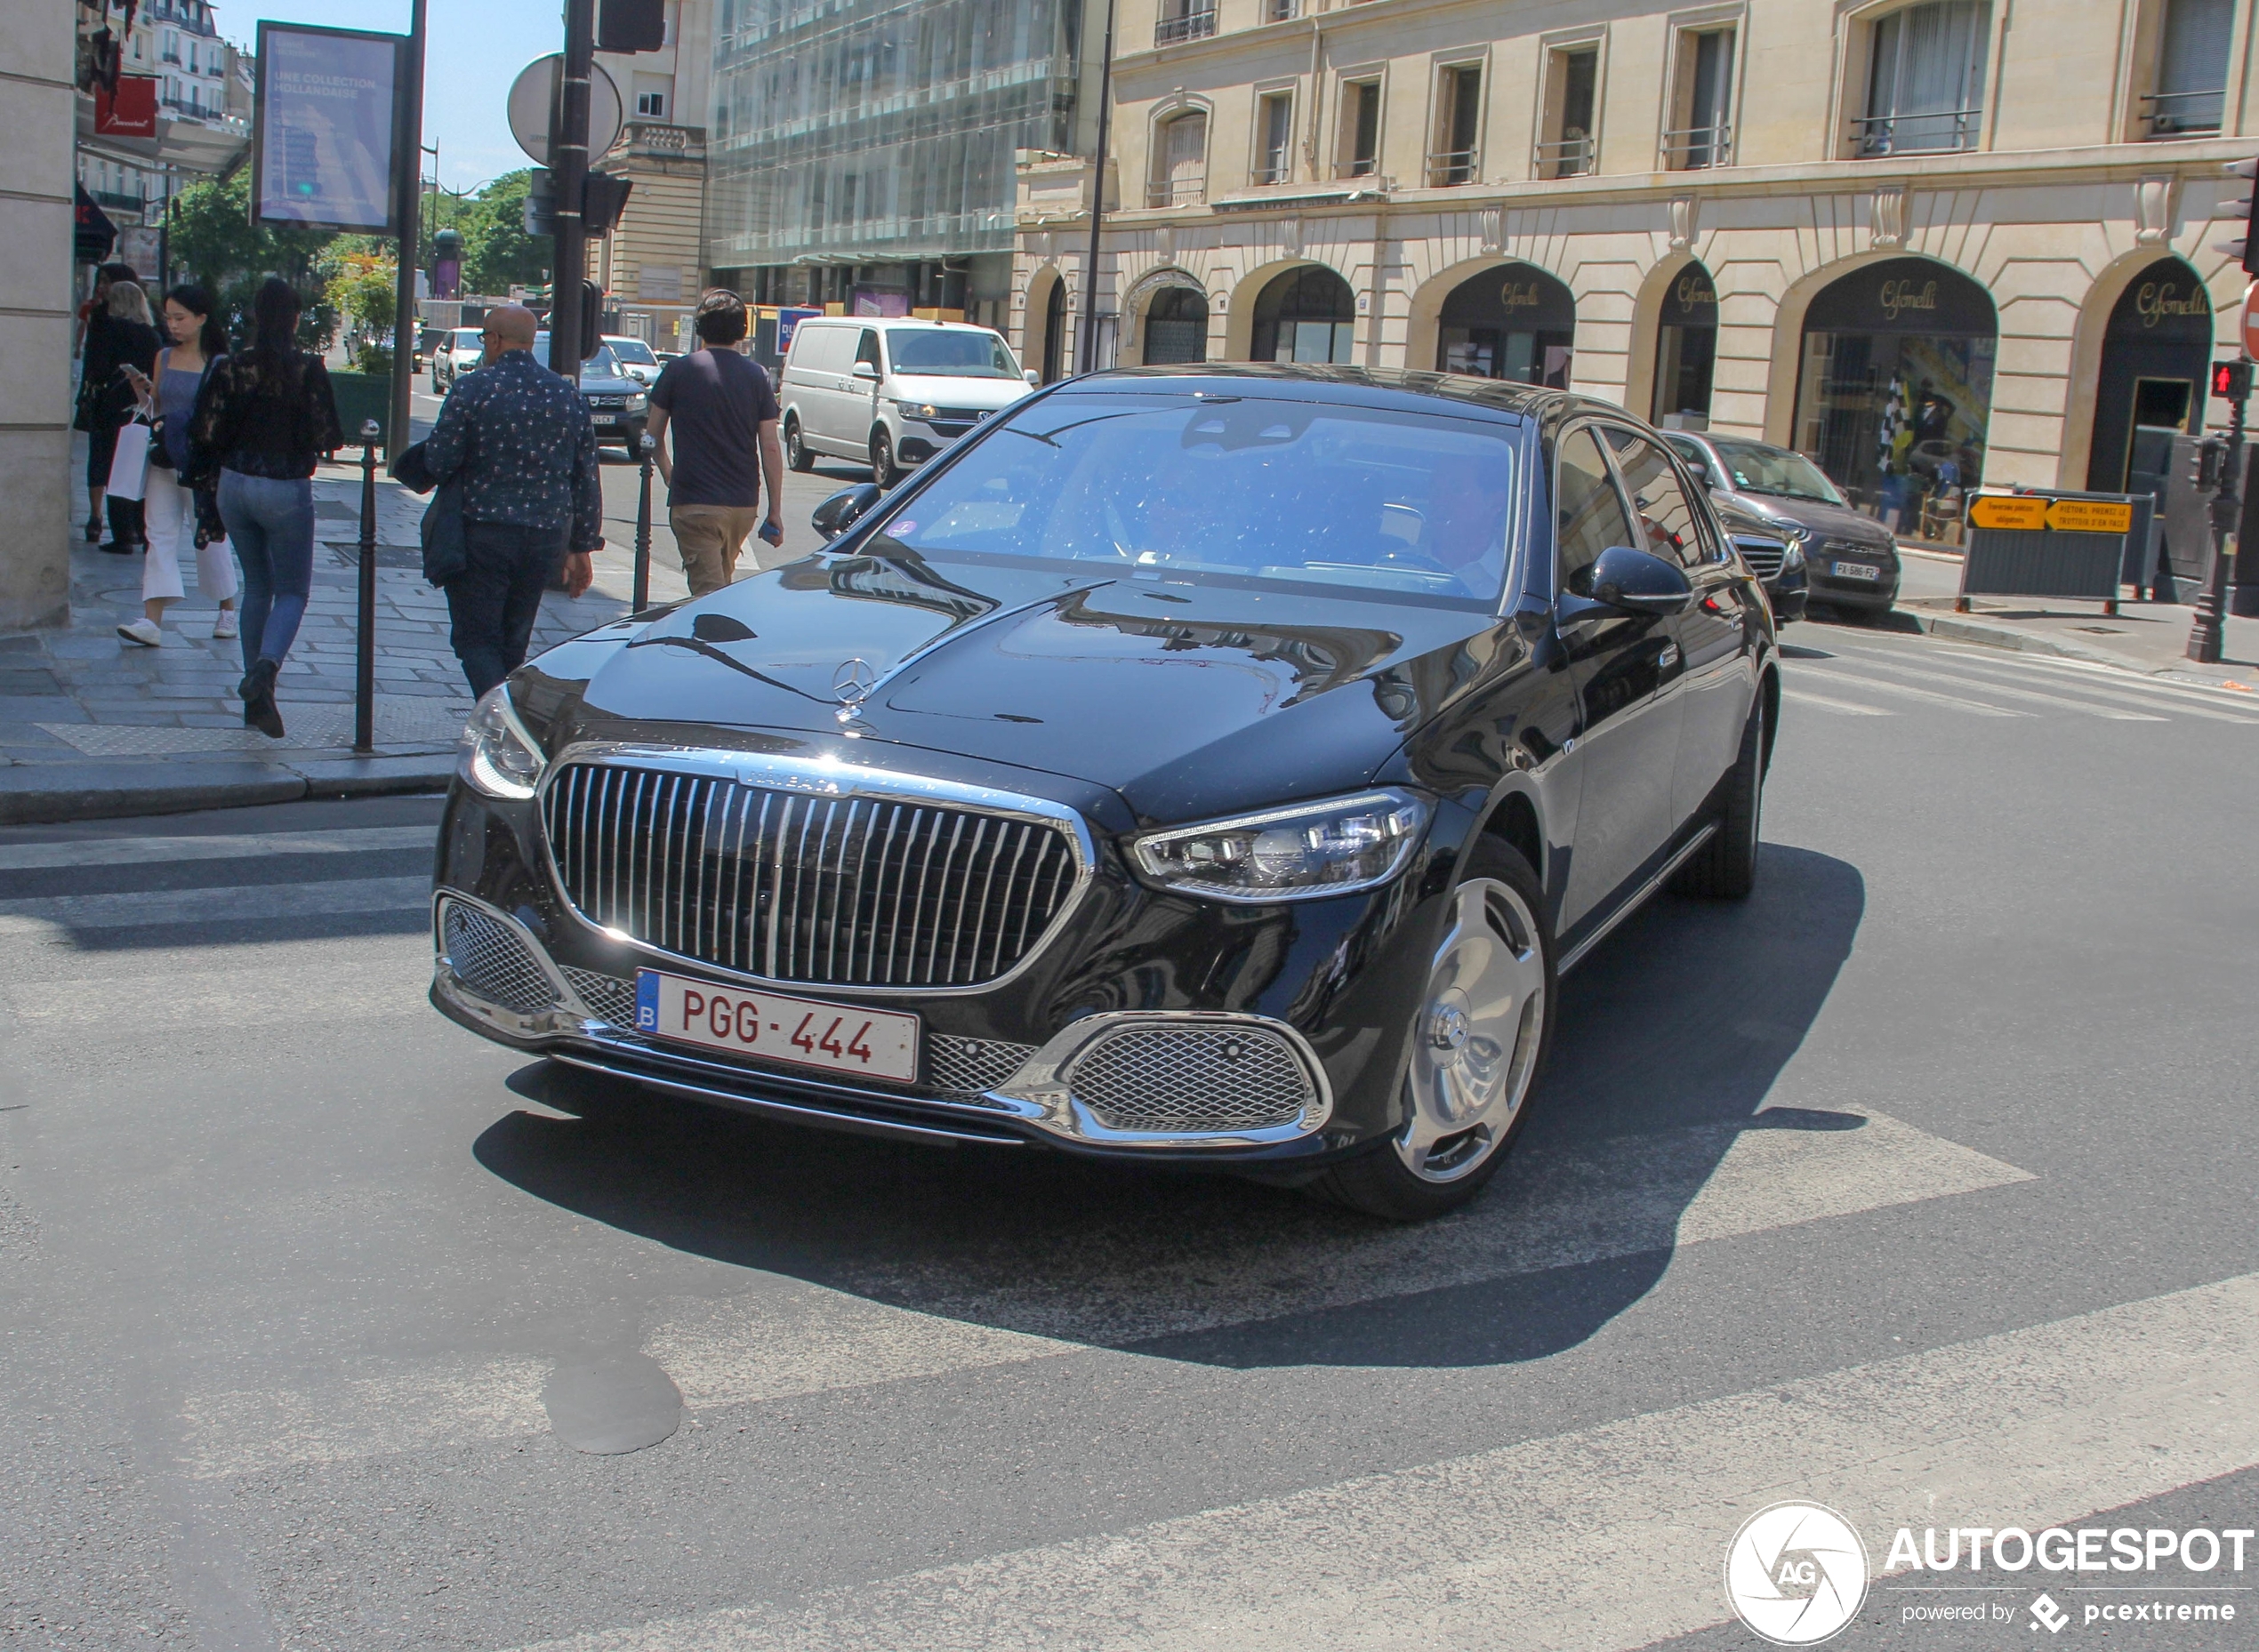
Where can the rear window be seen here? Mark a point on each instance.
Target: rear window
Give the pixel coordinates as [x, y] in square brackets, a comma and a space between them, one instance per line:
[1255, 490]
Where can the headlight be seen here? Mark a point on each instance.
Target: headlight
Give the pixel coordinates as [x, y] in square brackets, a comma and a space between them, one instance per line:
[1795, 558]
[1296, 853]
[636, 400]
[497, 755]
[916, 410]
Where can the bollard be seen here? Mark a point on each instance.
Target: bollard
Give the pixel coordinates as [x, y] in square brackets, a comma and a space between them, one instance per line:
[365, 663]
[641, 598]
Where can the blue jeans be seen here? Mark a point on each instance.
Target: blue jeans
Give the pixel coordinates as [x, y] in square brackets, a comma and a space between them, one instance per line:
[494, 601]
[270, 523]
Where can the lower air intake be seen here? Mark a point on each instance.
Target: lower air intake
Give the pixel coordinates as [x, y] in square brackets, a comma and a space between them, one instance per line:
[1193, 1081]
[489, 957]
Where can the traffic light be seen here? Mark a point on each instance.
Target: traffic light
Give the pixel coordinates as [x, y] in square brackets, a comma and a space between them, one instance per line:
[592, 319]
[603, 199]
[541, 203]
[2232, 380]
[631, 26]
[2208, 464]
[2244, 248]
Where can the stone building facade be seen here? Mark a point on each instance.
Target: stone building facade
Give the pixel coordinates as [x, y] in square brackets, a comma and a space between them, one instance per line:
[1895, 236]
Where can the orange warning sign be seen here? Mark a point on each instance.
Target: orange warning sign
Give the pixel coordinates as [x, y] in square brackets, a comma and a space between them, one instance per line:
[2090, 516]
[2007, 510]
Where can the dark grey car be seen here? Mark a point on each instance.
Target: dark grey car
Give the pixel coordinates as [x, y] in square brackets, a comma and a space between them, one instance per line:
[1851, 559]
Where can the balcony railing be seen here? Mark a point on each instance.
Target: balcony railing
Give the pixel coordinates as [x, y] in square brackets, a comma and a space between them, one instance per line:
[1569, 157]
[2177, 113]
[1194, 24]
[1276, 170]
[1282, 11]
[1446, 167]
[1692, 148]
[1941, 131]
[1184, 189]
[1357, 166]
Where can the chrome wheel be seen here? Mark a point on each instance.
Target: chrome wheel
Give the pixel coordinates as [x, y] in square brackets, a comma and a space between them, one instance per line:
[1475, 1043]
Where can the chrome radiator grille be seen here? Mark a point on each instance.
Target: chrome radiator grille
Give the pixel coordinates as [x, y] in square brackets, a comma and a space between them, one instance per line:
[1765, 560]
[843, 891]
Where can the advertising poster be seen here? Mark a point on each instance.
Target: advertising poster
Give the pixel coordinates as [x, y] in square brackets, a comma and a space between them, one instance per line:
[322, 154]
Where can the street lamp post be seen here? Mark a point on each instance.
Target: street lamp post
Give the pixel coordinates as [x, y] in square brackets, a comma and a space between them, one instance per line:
[1097, 199]
[410, 185]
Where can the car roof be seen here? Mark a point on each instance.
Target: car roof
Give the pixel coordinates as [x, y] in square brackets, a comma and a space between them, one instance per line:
[1403, 388]
[897, 323]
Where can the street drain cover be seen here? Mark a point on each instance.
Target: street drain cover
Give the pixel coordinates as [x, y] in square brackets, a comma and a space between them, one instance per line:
[619, 1402]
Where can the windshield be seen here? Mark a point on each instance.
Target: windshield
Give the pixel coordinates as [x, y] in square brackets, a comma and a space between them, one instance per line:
[467, 339]
[632, 349]
[1756, 469]
[603, 365]
[950, 354]
[1249, 489]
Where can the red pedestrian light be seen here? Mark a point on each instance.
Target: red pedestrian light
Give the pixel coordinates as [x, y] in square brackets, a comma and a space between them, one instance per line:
[2232, 380]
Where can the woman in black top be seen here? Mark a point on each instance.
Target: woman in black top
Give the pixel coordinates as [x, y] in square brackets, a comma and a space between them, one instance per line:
[119, 336]
[267, 419]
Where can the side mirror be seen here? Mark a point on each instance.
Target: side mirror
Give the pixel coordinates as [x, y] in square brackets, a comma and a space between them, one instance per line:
[1032, 376]
[865, 370]
[1625, 578]
[836, 515]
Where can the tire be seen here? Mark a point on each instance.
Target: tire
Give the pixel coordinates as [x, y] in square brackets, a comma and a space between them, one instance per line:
[1725, 868]
[796, 454]
[1470, 1066]
[884, 471]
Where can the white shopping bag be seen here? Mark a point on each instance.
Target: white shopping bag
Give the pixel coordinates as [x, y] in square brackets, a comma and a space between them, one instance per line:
[129, 470]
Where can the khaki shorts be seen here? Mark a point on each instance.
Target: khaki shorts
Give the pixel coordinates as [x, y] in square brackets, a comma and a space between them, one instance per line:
[711, 538]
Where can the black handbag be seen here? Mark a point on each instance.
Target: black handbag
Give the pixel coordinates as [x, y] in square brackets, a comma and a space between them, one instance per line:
[445, 552]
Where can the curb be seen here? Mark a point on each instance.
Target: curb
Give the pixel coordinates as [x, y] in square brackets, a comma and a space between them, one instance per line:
[48, 793]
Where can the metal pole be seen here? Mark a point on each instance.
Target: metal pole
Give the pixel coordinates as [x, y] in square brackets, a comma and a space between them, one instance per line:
[1089, 361]
[641, 599]
[2208, 636]
[569, 169]
[364, 661]
[409, 182]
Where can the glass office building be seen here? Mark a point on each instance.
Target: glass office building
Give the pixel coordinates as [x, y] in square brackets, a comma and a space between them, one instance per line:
[863, 153]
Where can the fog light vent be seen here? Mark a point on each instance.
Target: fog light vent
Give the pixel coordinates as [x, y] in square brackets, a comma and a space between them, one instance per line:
[609, 998]
[956, 1066]
[1193, 1081]
[492, 959]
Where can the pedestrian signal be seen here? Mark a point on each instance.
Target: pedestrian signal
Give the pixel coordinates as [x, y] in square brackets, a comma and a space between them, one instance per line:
[2244, 248]
[631, 26]
[541, 203]
[2232, 380]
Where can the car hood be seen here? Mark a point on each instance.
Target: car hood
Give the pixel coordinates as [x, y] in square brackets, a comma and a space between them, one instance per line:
[1825, 521]
[1189, 699]
[593, 385]
[945, 392]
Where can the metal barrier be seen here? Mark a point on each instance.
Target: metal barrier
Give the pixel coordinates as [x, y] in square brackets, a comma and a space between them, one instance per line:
[2051, 542]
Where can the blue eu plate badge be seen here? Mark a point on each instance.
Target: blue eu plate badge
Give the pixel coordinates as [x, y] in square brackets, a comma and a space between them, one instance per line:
[647, 1000]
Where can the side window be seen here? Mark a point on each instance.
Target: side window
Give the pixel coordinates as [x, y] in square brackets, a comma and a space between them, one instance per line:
[1588, 512]
[868, 350]
[1697, 460]
[1670, 524]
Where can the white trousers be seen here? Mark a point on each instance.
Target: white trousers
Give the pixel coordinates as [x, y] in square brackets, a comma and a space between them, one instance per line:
[170, 511]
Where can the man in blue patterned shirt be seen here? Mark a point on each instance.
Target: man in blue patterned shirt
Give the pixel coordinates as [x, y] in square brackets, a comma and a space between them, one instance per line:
[518, 437]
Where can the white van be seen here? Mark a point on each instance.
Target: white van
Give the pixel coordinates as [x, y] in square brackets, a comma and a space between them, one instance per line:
[890, 392]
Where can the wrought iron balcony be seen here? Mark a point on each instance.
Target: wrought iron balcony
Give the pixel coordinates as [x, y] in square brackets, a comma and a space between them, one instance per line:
[1930, 133]
[1195, 24]
[1692, 148]
[1446, 167]
[2180, 114]
[1569, 157]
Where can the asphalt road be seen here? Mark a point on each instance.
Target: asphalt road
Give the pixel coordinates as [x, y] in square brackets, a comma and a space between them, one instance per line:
[1920, 1186]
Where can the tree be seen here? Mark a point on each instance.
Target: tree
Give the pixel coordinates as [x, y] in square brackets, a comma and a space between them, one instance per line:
[497, 254]
[214, 243]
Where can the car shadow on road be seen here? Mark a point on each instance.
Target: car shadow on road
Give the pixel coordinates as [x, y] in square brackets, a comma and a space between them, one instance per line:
[1670, 1040]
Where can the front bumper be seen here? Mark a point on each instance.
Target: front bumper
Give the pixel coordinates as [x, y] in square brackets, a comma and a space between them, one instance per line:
[1315, 994]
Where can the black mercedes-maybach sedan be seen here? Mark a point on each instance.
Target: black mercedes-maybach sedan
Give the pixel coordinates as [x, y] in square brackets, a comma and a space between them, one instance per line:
[1214, 766]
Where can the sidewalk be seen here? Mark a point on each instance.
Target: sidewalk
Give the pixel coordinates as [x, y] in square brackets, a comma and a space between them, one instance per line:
[2147, 636]
[90, 725]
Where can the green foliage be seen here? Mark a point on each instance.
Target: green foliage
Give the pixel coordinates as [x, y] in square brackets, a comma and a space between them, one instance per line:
[214, 243]
[497, 253]
[366, 291]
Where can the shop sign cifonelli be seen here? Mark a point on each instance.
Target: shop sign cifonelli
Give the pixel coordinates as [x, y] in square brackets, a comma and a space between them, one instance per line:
[2155, 301]
[1897, 295]
[1521, 295]
[1694, 291]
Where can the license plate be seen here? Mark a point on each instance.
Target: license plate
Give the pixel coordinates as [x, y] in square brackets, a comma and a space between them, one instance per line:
[837, 1038]
[1857, 571]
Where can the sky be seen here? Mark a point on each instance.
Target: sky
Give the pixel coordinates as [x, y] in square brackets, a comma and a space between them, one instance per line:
[476, 49]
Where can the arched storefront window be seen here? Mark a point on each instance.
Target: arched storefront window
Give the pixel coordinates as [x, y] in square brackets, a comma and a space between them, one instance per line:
[1054, 329]
[1305, 314]
[2151, 389]
[1685, 350]
[1177, 326]
[1514, 323]
[1894, 394]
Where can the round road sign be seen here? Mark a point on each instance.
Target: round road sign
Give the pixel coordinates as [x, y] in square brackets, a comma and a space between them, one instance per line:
[2251, 322]
[534, 92]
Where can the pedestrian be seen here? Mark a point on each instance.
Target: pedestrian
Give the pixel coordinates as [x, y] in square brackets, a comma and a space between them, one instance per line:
[518, 439]
[121, 336]
[94, 318]
[723, 411]
[173, 511]
[268, 418]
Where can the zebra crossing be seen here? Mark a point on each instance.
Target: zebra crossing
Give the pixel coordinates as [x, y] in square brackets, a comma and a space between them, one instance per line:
[1874, 678]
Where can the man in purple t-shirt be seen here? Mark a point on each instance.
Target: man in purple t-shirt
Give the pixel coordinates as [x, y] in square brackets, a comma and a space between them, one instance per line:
[723, 411]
